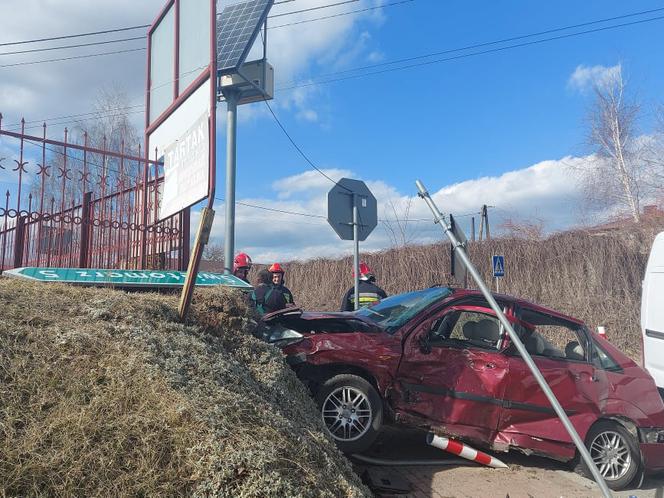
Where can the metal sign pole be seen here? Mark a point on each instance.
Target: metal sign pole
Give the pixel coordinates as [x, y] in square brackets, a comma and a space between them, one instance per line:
[207, 214]
[231, 144]
[440, 219]
[202, 236]
[356, 253]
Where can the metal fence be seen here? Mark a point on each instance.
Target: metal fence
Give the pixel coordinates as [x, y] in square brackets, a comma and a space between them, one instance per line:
[69, 204]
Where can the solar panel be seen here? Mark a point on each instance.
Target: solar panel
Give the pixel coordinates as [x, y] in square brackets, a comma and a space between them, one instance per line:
[237, 29]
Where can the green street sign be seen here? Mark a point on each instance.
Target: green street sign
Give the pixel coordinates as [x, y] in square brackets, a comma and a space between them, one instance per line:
[124, 278]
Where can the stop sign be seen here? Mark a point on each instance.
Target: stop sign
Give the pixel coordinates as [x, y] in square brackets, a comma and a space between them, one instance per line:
[340, 209]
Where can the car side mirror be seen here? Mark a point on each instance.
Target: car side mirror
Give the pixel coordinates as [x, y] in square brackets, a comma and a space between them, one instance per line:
[425, 345]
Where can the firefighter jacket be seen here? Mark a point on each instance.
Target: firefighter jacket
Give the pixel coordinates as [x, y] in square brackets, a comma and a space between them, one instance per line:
[287, 294]
[369, 293]
[267, 298]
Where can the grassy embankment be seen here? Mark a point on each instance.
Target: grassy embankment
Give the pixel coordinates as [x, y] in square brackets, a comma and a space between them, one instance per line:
[104, 393]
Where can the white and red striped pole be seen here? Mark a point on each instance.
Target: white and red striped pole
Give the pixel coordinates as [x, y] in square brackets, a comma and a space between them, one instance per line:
[464, 451]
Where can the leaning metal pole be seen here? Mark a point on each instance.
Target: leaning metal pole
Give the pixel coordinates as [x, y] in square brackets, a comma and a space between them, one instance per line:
[231, 144]
[439, 218]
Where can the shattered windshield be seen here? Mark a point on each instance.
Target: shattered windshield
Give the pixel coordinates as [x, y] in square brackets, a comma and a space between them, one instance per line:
[392, 312]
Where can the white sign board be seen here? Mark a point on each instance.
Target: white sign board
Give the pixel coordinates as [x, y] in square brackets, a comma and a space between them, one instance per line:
[187, 167]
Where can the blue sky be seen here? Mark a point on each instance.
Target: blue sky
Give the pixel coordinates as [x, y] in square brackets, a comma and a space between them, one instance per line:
[472, 117]
[498, 128]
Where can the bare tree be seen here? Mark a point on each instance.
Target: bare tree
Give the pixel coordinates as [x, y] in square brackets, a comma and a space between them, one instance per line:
[616, 177]
[214, 253]
[397, 222]
[523, 229]
[654, 158]
[110, 128]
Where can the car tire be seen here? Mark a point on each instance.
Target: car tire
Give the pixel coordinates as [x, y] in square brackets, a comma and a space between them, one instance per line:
[622, 464]
[351, 411]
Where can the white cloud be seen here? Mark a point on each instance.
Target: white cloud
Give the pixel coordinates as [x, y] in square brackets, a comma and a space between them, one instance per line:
[545, 191]
[309, 184]
[585, 77]
[69, 87]
[376, 56]
[308, 115]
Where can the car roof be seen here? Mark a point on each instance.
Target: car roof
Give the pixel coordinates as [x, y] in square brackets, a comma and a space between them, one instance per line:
[461, 293]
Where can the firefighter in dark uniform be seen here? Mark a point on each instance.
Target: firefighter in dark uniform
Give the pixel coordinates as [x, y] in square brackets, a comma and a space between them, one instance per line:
[265, 298]
[278, 283]
[369, 291]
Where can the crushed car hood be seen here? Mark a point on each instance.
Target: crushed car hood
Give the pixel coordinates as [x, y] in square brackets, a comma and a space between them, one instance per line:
[320, 321]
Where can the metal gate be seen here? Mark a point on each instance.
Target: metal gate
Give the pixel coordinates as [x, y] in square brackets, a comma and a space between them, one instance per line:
[69, 204]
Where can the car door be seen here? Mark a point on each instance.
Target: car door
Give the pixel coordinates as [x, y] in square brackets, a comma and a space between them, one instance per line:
[560, 350]
[652, 313]
[452, 372]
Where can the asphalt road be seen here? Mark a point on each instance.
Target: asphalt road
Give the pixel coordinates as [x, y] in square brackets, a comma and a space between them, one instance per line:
[527, 476]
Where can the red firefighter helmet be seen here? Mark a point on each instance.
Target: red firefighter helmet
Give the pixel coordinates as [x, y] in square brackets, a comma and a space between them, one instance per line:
[242, 260]
[365, 272]
[276, 268]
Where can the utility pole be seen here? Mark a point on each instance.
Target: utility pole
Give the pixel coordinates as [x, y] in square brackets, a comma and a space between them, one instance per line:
[481, 224]
[484, 223]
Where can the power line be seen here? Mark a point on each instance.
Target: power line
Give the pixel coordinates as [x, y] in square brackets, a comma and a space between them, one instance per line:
[357, 11]
[299, 85]
[90, 118]
[14, 125]
[283, 129]
[78, 45]
[473, 54]
[275, 210]
[496, 42]
[320, 216]
[73, 58]
[312, 8]
[142, 37]
[64, 37]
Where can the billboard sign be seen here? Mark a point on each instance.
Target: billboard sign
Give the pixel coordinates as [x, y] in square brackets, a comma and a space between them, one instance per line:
[186, 168]
[179, 97]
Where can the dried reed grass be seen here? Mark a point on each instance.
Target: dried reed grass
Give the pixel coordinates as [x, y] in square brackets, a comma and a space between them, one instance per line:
[590, 275]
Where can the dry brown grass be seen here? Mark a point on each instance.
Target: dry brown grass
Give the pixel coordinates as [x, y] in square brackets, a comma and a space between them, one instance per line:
[594, 277]
[104, 393]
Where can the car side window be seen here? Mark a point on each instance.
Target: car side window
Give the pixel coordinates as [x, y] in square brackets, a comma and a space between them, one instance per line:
[553, 339]
[602, 359]
[466, 329]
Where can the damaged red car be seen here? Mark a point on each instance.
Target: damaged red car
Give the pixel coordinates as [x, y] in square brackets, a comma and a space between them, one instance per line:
[440, 359]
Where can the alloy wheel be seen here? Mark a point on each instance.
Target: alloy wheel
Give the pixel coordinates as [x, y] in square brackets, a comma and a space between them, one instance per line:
[611, 455]
[347, 413]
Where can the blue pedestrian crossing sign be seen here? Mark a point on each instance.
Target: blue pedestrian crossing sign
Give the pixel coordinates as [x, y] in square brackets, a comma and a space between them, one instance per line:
[499, 266]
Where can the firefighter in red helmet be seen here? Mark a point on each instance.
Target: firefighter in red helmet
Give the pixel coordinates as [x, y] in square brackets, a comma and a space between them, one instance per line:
[278, 283]
[368, 290]
[241, 266]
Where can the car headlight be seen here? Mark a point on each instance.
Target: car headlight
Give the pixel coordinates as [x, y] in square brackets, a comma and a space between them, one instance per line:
[652, 435]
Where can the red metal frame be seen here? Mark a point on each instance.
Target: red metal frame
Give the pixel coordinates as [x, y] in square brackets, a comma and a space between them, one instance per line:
[89, 214]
